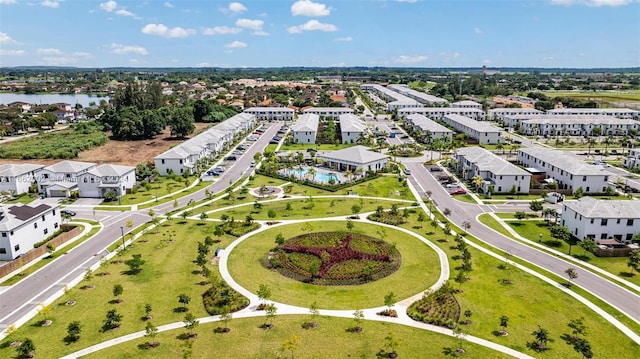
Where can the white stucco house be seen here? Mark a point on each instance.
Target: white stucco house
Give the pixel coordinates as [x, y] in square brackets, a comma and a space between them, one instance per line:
[438, 113]
[613, 111]
[21, 226]
[485, 133]
[305, 129]
[271, 113]
[500, 113]
[61, 179]
[567, 169]
[467, 104]
[354, 158]
[18, 178]
[328, 111]
[351, 128]
[101, 179]
[633, 159]
[602, 219]
[429, 130]
[497, 173]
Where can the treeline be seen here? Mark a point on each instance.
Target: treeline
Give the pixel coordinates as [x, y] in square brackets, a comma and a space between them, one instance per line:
[547, 103]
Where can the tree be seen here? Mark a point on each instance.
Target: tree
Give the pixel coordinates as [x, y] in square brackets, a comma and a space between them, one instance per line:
[535, 206]
[582, 346]
[264, 293]
[26, 349]
[446, 212]
[151, 331]
[358, 317]
[203, 217]
[519, 215]
[184, 300]
[135, 263]
[181, 122]
[112, 320]
[147, 311]
[634, 260]
[349, 225]
[588, 245]
[355, 209]
[466, 225]
[190, 323]
[579, 193]
[44, 312]
[562, 233]
[279, 239]
[504, 322]
[578, 328]
[291, 344]
[270, 310]
[392, 343]
[73, 332]
[117, 292]
[315, 313]
[201, 109]
[541, 337]
[271, 213]
[421, 218]
[572, 274]
[226, 317]
[477, 181]
[390, 299]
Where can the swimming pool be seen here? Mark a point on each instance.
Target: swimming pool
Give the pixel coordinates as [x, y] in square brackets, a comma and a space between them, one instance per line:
[319, 176]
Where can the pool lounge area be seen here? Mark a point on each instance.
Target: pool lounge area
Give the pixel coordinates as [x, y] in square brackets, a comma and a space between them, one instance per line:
[322, 175]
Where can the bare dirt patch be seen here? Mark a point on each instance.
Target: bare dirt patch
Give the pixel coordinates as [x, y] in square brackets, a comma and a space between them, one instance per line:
[126, 153]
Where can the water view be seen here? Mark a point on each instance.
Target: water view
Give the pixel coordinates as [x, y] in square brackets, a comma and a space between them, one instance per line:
[39, 99]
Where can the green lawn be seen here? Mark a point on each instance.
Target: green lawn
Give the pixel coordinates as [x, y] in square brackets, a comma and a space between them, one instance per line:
[320, 147]
[166, 274]
[330, 339]
[162, 186]
[24, 198]
[465, 198]
[511, 215]
[528, 302]
[420, 269]
[303, 208]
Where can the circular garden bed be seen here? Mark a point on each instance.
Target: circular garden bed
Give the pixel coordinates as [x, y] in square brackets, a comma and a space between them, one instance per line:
[334, 258]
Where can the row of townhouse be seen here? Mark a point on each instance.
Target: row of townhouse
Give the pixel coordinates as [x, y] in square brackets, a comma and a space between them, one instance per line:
[427, 129]
[499, 175]
[438, 113]
[305, 129]
[395, 100]
[483, 132]
[574, 125]
[500, 114]
[467, 104]
[64, 178]
[271, 113]
[615, 112]
[598, 219]
[22, 226]
[423, 98]
[183, 158]
[633, 159]
[325, 112]
[565, 168]
[352, 128]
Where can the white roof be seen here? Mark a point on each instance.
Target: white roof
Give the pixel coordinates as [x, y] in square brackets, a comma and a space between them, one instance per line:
[69, 166]
[426, 124]
[466, 103]
[573, 120]
[268, 109]
[592, 208]
[440, 110]
[487, 161]
[565, 161]
[355, 154]
[328, 109]
[307, 122]
[351, 123]
[111, 170]
[514, 110]
[14, 170]
[604, 111]
[471, 123]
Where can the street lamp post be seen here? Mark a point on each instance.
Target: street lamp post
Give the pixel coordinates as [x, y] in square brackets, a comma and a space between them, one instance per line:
[122, 232]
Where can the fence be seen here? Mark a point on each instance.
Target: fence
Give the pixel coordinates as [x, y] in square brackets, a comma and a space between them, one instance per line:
[613, 252]
[38, 252]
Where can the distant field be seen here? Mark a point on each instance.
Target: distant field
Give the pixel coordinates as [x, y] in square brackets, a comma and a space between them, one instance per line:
[616, 97]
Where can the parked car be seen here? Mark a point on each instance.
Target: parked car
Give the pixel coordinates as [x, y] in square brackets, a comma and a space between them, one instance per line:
[407, 172]
[253, 163]
[230, 158]
[460, 191]
[68, 212]
[453, 185]
[213, 173]
[435, 169]
[219, 169]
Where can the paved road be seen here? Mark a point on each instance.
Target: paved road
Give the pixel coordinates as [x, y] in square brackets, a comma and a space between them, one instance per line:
[460, 212]
[21, 298]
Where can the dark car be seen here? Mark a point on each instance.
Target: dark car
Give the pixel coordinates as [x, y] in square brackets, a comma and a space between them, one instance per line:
[230, 158]
[435, 169]
[68, 212]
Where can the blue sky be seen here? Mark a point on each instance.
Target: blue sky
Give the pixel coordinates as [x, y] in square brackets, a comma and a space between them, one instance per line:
[273, 33]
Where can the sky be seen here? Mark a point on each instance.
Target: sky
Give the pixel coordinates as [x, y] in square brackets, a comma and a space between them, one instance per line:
[318, 33]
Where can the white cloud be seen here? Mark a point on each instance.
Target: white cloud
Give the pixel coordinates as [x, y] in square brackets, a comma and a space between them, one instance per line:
[50, 3]
[163, 30]
[124, 12]
[7, 2]
[345, 39]
[478, 31]
[49, 51]
[168, 4]
[260, 33]
[12, 52]
[236, 7]
[83, 55]
[121, 49]
[220, 30]
[592, 3]
[408, 60]
[6, 39]
[108, 6]
[235, 45]
[59, 60]
[250, 24]
[309, 8]
[312, 25]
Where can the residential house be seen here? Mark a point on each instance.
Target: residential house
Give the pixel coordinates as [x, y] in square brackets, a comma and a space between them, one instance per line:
[568, 170]
[18, 178]
[305, 129]
[573, 125]
[23, 106]
[467, 104]
[351, 128]
[325, 112]
[22, 226]
[438, 113]
[97, 181]
[633, 159]
[499, 114]
[588, 217]
[354, 159]
[61, 179]
[395, 100]
[427, 129]
[498, 175]
[483, 132]
[615, 112]
[271, 113]
[423, 98]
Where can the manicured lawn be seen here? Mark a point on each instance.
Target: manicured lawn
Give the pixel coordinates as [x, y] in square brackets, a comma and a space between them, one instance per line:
[420, 269]
[465, 198]
[303, 208]
[320, 147]
[24, 198]
[166, 274]
[528, 302]
[329, 340]
[511, 215]
[614, 265]
[162, 186]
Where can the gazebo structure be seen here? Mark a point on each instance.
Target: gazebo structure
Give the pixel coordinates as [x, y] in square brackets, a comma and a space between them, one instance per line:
[352, 158]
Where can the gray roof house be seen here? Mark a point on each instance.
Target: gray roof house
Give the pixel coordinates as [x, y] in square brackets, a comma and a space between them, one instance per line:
[353, 158]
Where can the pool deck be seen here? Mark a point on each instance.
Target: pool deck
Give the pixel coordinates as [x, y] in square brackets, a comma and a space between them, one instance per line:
[320, 173]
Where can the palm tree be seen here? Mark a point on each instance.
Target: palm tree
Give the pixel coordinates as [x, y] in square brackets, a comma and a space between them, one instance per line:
[312, 172]
[477, 182]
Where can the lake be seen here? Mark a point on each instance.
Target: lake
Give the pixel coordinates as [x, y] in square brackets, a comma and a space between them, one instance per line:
[39, 99]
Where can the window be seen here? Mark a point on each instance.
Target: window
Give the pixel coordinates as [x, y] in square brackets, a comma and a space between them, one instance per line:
[54, 212]
[603, 222]
[46, 230]
[591, 220]
[4, 234]
[591, 236]
[93, 180]
[603, 236]
[16, 247]
[3, 250]
[162, 161]
[55, 225]
[35, 225]
[618, 221]
[43, 218]
[584, 178]
[629, 222]
[84, 180]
